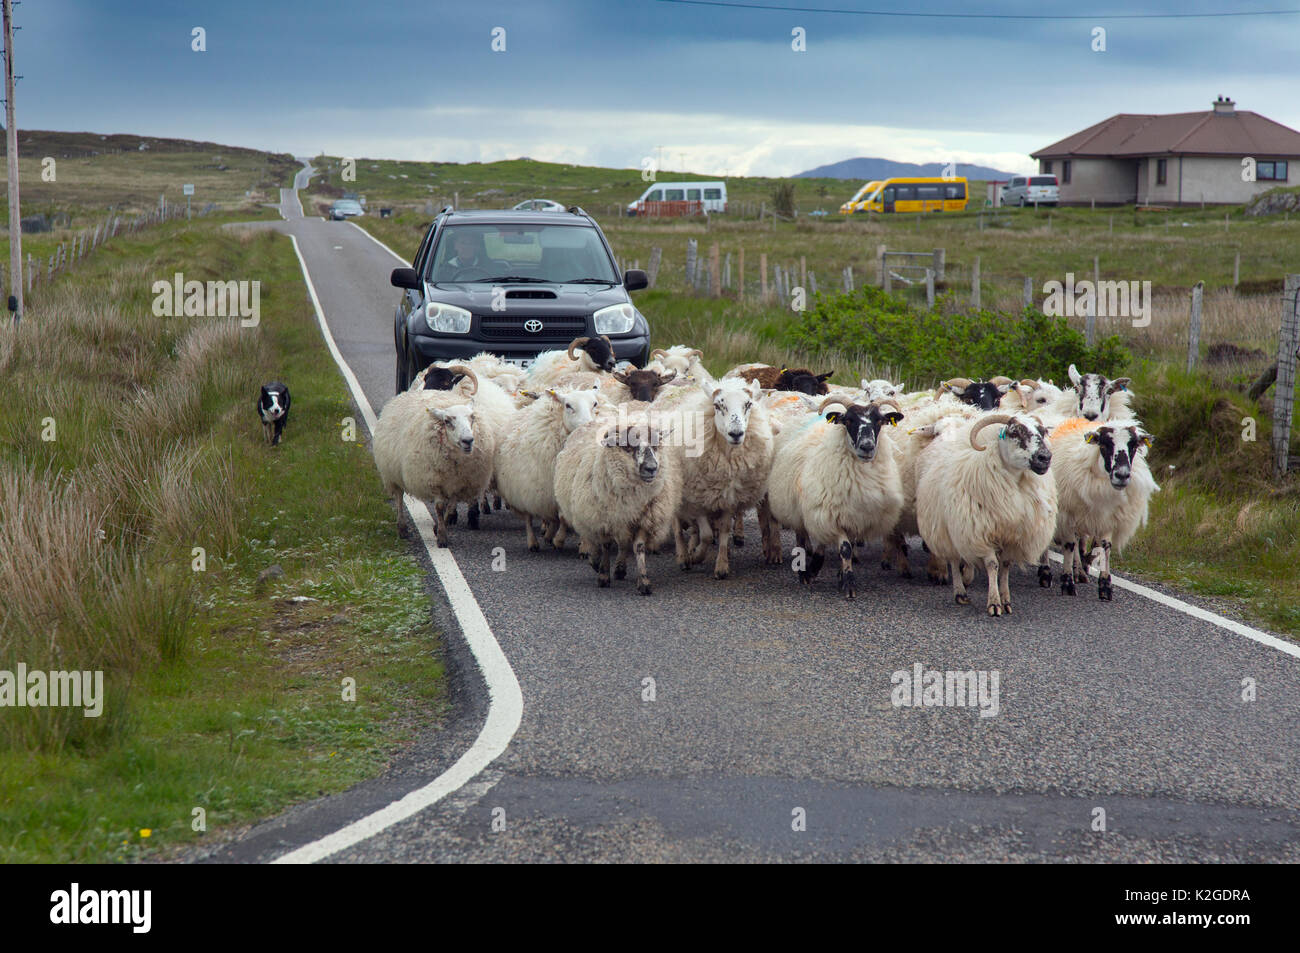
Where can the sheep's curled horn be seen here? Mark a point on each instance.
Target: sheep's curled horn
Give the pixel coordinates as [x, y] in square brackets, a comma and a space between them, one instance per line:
[957, 383]
[985, 422]
[577, 343]
[469, 374]
[887, 401]
[658, 353]
[1001, 380]
[1029, 382]
[832, 399]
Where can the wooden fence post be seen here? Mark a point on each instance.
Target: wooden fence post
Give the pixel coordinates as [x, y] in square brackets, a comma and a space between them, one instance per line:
[691, 249]
[762, 274]
[812, 283]
[740, 273]
[929, 288]
[1029, 292]
[880, 257]
[975, 284]
[715, 274]
[1194, 327]
[1236, 270]
[939, 257]
[1287, 344]
[652, 273]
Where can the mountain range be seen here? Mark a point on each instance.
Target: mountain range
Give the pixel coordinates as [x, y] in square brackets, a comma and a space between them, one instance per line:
[868, 169]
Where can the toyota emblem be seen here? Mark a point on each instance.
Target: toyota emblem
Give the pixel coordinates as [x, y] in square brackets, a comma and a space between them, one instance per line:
[533, 326]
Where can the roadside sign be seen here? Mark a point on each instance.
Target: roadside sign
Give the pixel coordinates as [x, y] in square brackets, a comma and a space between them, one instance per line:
[187, 189]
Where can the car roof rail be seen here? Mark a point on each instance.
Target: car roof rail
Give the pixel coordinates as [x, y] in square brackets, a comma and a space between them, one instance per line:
[445, 209]
[577, 210]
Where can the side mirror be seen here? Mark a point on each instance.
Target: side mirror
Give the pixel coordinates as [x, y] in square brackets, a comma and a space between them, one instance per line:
[405, 278]
[634, 279]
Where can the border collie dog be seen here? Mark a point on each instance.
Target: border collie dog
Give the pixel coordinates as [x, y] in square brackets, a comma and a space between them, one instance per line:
[273, 408]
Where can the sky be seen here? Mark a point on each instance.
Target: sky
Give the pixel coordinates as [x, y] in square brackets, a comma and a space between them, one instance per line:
[704, 87]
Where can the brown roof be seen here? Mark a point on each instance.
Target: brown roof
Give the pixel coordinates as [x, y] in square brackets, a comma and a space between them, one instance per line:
[1200, 133]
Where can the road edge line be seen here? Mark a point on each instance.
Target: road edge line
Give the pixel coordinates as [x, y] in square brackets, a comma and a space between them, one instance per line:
[505, 698]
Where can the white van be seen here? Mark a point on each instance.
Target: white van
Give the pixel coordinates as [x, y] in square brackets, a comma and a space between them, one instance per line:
[712, 197]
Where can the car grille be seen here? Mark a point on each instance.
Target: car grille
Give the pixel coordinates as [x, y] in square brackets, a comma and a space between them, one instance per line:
[553, 328]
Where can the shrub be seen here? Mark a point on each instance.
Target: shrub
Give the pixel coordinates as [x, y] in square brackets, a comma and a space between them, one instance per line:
[927, 346]
[783, 199]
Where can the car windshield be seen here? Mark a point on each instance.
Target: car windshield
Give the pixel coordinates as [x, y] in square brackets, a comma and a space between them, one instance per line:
[521, 252]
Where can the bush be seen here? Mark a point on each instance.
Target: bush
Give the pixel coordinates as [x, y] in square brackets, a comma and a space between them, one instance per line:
[928, 346]
[783, 199]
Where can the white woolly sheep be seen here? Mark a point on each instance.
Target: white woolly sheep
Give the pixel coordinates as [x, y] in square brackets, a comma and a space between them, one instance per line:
[525, 458]
[1104, 488]
[426, 443]
[987, 509]
[686, 361]
[583, 354]
[726, 472]
[618, 484]
[834, 481]
[1093, 397]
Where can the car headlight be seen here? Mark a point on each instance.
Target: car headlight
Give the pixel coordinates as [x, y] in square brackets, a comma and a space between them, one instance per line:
[446, 318]
[616, 319]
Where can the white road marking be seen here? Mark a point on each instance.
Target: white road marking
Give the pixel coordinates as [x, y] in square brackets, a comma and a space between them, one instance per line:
[505, 701]
[1205, 615]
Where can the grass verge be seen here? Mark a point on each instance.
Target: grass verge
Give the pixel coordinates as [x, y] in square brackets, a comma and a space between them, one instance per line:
[224, 695]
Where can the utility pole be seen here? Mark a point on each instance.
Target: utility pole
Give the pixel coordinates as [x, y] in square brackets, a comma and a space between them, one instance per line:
[11, 135]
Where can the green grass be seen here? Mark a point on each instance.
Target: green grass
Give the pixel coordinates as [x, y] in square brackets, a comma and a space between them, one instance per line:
[223, 694]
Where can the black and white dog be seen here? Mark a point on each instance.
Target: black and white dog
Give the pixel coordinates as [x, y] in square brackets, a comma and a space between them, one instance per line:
[273, 408]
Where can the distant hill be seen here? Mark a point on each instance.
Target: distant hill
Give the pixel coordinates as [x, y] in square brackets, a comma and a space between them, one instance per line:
[867, 169]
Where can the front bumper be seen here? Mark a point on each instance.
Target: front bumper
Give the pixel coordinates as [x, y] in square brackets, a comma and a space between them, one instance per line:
[430, 348]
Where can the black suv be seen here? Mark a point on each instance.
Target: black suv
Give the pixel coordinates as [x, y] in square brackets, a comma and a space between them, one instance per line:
[513, 283]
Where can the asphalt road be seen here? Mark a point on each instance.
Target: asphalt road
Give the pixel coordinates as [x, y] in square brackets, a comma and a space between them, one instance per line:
[770, 699]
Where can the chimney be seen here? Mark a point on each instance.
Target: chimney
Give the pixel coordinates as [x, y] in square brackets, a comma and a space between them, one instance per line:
[1223, 106]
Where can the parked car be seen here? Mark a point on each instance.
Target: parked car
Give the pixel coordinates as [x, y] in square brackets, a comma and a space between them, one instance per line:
[1031, 189]
[345, 208]
[514, 283]
[539, 205]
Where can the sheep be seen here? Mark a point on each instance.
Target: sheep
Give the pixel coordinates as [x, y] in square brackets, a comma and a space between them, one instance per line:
[985, 395]
[880, 389]
[428, 444]
[924, 423]
[835, 480]
[525, 458]
[989, 509]
[1104, 486]
[782, 378]
[593, 354]
[686, 361]
[727, 473]
[1034, 397]
[1093, 397]
[642, 385]
[617, 490]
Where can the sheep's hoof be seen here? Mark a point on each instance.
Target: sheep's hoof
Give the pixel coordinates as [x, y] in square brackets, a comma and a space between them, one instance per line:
[602, 580]
[806, 577]
[496, 502]
[534, 547]
[1067, 584]
[962, 599]
[1006, 608]
[442, 542]
[720, 574]
[936, 578]
[995, 609]
[1104, 591]
[1045, 577]
[1081, 575]
[684, 565]
[643, 586]
[737, 540]
[453, 516]
[403, 531]
[472, 518]
[846, 584]
[620, 571]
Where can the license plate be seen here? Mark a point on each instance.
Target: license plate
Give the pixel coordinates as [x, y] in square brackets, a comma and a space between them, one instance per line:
[521, 362]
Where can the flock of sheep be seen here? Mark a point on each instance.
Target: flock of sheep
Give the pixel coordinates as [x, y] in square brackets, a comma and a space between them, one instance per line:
[987, 473]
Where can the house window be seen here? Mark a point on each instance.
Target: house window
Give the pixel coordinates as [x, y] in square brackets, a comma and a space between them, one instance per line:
[1162, 171]
[1065, 171]
[1047, 165]
[1271, 171]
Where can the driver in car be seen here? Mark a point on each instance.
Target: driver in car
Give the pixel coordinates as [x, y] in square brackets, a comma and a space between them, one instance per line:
[469, 253]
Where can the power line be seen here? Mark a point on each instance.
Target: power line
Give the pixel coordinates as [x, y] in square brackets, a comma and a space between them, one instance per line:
[983, 16]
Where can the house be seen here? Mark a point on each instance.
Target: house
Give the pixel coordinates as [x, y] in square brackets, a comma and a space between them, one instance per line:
[1174, 159]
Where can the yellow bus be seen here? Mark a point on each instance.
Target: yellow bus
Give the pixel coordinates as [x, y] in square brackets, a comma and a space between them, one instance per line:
[851, 206]
[917, 194]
